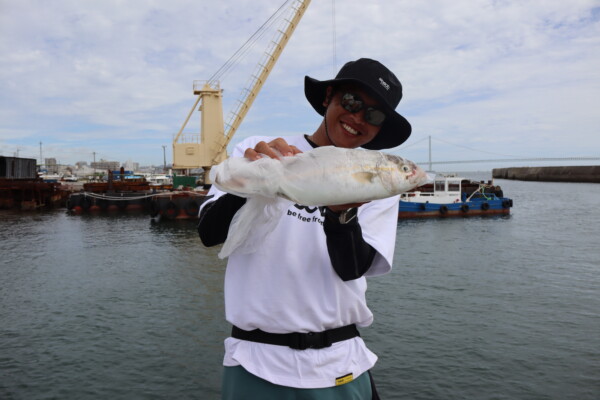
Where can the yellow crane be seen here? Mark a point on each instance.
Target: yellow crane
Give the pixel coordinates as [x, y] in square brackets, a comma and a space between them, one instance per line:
[210, 146]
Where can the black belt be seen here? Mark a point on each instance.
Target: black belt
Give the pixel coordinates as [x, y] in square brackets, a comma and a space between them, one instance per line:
[298, 341]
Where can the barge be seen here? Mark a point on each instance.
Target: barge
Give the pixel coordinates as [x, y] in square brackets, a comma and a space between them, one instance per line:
[177, 204]
[113, 195]
[137, 195]
[21, 188]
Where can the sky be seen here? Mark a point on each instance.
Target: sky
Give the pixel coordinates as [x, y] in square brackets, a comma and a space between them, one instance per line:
[484, 79]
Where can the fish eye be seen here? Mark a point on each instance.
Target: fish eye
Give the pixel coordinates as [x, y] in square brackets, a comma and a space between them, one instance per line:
[405, 168]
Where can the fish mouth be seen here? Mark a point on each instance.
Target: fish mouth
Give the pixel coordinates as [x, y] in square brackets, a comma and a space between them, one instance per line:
[417, 175]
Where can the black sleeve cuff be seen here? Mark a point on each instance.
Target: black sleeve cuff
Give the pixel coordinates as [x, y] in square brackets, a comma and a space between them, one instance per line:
[334, 218]
[216, 217]
[350, 255]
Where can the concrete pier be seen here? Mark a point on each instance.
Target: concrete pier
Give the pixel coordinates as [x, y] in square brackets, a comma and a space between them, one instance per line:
[588, 173]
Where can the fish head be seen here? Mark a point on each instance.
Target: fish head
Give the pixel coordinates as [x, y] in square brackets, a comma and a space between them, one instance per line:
[404, 174]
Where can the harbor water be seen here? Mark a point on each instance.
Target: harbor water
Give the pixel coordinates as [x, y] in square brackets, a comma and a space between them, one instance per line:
[120, 307]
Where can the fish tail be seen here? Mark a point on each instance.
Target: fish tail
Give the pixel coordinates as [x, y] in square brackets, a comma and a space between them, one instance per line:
[251, 224]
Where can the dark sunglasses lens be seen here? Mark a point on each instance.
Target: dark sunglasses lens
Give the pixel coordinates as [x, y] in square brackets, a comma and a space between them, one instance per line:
[374, 117]
[352, 103]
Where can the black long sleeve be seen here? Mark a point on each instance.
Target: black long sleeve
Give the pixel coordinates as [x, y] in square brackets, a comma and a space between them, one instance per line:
[216, 217]
[351, 256]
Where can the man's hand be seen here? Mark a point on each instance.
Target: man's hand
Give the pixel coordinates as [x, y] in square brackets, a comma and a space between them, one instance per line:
[273, 149]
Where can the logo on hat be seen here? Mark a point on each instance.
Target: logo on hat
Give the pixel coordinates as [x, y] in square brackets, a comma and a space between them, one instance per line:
[384, 84]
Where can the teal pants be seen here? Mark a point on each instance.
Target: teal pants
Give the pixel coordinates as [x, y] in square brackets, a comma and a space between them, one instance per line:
[239, 384]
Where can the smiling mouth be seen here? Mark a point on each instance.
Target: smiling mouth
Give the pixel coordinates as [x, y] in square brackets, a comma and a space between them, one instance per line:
[350, 130]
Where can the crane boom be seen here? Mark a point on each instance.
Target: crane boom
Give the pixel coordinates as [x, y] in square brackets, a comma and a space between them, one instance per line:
[265, 68]
[210, 146]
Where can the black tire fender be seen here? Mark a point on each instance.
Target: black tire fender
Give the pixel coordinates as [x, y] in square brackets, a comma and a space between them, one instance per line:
[85, 202]
[191, 208]
[72, 202]
[170, 210]
[154, 208]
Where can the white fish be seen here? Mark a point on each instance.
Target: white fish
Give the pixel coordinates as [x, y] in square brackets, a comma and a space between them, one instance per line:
[324, 176]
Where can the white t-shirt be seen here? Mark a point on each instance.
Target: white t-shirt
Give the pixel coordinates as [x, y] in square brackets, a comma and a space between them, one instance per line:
[289, 285]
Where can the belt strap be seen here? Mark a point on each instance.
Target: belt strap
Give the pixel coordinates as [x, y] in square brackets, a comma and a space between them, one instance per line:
[298, 341]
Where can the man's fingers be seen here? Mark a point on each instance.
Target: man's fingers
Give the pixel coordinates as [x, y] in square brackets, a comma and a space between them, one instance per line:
[282, 147]
[274, 149]
[252, 155]
[295, 150]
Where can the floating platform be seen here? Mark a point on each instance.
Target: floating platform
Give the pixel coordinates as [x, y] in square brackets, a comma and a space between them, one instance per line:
[21, 188]
[90, 202]
[177, 205]
[31, 194]
[587, 174]
[114, 195]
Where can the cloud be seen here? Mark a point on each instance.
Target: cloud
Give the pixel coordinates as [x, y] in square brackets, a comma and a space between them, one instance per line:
[111, 76]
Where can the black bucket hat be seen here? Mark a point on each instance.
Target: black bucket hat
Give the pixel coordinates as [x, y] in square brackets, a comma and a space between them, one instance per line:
[381, 84]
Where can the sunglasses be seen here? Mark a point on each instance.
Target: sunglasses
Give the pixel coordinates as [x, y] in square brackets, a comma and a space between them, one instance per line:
[353, 103]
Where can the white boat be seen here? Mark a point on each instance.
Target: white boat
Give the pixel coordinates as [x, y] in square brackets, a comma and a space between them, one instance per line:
[450, 196]
[51, 177]
[159, 180]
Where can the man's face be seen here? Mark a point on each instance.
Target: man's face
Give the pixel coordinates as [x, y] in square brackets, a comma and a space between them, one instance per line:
[347, 129]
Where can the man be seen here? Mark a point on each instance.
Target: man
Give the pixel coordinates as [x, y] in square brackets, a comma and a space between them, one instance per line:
[296, 302]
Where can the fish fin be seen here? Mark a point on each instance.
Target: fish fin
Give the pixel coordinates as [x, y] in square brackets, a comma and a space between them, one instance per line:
[251, 224]
[364, 177]
[284, 196]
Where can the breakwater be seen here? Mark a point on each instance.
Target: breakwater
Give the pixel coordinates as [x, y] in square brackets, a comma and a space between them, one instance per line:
[588, 173]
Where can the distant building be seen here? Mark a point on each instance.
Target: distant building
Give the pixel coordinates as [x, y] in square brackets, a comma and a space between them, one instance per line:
[104, 165]
[80, 164]
[51, 165]
[131, 166]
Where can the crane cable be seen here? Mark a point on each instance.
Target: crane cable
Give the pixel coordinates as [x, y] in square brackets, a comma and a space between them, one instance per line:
[334, 37]
[243, 50]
